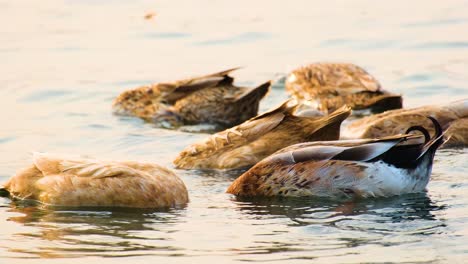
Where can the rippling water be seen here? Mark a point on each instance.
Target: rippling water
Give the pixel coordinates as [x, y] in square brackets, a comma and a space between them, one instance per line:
[64, 61]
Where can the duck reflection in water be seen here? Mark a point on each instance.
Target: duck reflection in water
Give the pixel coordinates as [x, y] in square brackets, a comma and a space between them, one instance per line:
[73, 232]
[312, 210]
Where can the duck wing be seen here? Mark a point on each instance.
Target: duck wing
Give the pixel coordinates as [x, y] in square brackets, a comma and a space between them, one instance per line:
[250, 94]
[257, 126]
[351, 150]
[262, 124]
[388, 149]
[340, 78]
[333, 120]
[397, 121]
[350, 78]
[171, 92]
[51, 165]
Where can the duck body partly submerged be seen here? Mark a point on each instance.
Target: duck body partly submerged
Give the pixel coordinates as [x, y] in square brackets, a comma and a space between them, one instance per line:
[328, 86]
[453, 118]
[348, 168]
[457, 134]
[207, 99]
[248, 143]
[53, 180]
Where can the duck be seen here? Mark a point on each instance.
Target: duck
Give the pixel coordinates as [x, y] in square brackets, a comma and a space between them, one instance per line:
[457, 134]
[344, 169]
[54, 180]
[211, 98]
[452, 116]
[246, 144]
[328, 86]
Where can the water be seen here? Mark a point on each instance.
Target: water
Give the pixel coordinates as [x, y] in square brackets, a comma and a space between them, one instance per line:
[64, 61]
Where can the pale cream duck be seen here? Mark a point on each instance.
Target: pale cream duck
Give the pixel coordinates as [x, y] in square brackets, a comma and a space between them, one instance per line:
[56, 181]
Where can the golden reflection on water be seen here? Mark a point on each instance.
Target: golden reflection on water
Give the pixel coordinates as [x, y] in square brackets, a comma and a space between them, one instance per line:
[89, 231]
[64, 62]
[127, 232]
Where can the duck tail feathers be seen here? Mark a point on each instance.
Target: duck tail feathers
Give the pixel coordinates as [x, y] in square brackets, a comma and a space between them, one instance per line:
[435, 142]
[331, 123]
[337, 116]
[225, 72]
[386, 102]
[4, 192]
[255, 93]
[288, 107]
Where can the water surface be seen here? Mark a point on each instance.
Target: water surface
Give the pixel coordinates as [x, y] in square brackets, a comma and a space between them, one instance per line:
[64, 61]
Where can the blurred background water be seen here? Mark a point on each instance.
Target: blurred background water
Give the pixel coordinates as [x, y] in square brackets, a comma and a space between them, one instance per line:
[62, 63]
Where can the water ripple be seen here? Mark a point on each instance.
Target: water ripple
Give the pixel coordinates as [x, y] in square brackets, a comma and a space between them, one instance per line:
[241, 38]
[440, 45]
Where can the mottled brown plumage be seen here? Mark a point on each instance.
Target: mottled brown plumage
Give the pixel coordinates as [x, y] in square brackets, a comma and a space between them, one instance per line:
[248, 143]
[207, 99]
[331, 85]
[57, 181]
[453, 117]
[355, 168]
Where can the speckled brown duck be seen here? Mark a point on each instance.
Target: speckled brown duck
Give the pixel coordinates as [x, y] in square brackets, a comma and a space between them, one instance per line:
[452, 116]
[330, 85]
[54, 180]
[248, 143]
[207, 99]
[382, 167]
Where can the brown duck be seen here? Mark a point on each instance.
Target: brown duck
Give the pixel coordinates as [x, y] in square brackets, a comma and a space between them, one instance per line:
[58, 181]
[331, 85]
[382, 167]
[453, 118]
[253, 140]
[207, 99]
